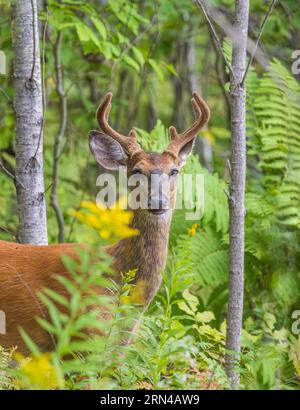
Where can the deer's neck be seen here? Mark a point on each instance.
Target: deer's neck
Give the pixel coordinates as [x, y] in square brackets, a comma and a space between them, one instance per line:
[146, 252]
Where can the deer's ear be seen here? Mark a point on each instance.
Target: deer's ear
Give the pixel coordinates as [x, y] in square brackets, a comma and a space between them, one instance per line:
[108, 152]
[185, 151]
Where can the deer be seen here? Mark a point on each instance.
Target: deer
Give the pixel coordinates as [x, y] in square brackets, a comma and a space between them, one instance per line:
[26, 269]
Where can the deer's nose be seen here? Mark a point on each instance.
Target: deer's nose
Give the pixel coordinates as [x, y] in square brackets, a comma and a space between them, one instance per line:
[158, 204]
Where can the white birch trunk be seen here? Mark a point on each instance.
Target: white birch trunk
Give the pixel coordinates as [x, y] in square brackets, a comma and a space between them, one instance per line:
[237, 192]
[29, 124]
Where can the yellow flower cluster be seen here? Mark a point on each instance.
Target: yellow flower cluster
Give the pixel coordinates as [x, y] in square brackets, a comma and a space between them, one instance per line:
[136, 295]
[111, 223]
[128, 277]
[38, 372]
[193, 229]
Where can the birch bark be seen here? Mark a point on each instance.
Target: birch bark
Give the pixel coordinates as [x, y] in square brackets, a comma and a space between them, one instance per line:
[29, 124]
[237, 191]
[59, 136]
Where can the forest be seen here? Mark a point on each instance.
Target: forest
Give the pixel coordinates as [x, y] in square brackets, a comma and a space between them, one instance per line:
[195, 292]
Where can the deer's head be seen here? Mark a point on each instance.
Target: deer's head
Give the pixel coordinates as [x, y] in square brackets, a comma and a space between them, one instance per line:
[112, 150]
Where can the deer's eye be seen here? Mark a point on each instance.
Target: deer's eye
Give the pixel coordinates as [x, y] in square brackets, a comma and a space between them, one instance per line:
[174, 172]
[136, 171]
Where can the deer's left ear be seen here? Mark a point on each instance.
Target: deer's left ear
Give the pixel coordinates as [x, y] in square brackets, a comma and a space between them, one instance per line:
[185, 151]
[107, 151]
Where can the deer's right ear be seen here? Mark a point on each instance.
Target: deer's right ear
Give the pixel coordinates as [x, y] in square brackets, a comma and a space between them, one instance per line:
[107, 151]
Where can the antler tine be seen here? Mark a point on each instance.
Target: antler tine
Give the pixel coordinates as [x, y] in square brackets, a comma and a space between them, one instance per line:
[129, 143]
[202, 116]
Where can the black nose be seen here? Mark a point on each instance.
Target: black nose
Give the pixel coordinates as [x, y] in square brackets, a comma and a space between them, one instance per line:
[157, 204]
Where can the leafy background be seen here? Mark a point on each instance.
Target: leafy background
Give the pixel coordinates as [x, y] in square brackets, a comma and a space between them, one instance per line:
[151, 55]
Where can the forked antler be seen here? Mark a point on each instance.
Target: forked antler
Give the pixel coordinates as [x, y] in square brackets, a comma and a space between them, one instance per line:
[130, 144]
[202, 115]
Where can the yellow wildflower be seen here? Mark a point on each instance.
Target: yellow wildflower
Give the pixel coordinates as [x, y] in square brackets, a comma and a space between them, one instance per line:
[193, 229]
[133, 293]
[38, 372]
[137, 294]
[110, 223]
[128, 277]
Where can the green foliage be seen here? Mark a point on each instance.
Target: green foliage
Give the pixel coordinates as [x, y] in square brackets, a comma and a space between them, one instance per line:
[89, 327]
[92, 30]
[140, 50]
[275, 103]
[272, 220]
[6, 381]
[210, 258]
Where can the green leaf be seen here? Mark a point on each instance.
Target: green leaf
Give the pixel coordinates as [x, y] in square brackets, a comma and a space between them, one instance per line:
[205, 317]
[75, 303]
[47, 326]
[138, 55]
[183, 306]
[56, 297]
[170, 68]
[52, 309]
[82, 33]
[68, 284]
[106, 50]
[157, 69]
[191, 300]
[29, 342]
[100, 27]
[130, 61]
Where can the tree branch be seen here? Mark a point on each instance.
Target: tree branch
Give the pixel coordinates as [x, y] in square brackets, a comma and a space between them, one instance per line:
[258, 39]
[9, 231]
[6, 171]
[219, 67]
[6, 96]
[11, 175]
[214, 34]
[129, 46]
[139, 36]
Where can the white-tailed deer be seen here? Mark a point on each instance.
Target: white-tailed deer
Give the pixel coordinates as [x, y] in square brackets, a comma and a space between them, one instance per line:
[26, 269]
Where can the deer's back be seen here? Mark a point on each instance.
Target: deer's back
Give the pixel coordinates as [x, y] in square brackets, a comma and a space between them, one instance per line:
[24, 270]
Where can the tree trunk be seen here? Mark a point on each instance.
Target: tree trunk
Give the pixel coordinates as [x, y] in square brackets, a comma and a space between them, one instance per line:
[59, 136]
[29, 124]
[237, 192]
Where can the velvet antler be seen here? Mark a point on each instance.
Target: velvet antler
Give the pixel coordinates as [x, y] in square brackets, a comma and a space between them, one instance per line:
[129, 143]
[202, 115]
